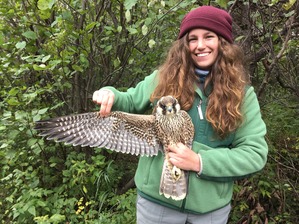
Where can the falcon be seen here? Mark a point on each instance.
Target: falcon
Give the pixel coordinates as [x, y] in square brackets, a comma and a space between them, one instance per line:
[135, 134]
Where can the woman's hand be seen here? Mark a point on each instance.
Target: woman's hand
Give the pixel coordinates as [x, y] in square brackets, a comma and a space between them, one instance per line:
[183, 157]
[105, 98]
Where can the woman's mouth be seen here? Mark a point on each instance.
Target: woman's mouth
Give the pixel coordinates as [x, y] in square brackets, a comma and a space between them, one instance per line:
[202, 54]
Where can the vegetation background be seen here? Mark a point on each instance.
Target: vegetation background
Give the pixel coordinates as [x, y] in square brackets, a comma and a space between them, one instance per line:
[55, 53]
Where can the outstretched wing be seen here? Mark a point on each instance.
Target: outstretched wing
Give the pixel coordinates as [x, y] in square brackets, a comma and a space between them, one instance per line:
[120, 131]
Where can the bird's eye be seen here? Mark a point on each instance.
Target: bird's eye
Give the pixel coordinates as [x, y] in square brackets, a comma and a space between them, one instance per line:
[162, 106]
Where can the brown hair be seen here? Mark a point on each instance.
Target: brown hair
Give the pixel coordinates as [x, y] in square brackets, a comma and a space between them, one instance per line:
[227, 80]
[176, 75]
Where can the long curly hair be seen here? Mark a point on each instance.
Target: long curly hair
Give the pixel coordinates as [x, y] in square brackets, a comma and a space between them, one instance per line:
[225, 86]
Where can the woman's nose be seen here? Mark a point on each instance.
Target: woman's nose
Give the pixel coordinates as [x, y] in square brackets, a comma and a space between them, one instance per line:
[201, 44]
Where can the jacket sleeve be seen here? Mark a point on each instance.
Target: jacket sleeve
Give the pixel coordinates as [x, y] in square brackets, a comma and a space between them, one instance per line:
[137, 99]
[248, 153]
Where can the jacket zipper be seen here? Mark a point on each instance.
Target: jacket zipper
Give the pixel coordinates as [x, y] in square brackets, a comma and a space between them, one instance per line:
[200, 110]
[200, 113]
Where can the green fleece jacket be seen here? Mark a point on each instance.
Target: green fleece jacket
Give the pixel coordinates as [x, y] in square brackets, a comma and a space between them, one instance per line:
[239, 155]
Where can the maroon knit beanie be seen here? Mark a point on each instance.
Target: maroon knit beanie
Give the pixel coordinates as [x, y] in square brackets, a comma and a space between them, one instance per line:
[210, 18]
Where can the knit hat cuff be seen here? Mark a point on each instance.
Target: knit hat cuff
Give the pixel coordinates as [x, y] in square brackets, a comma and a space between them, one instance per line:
[208, 24]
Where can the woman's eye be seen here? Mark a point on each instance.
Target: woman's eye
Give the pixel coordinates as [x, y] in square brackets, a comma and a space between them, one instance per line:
[210, 36]
[192, 40]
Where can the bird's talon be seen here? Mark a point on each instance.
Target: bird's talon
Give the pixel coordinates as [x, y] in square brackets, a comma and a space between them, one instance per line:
[176, 173]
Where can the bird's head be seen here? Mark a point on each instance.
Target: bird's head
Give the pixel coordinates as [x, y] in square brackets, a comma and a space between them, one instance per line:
[168, 106]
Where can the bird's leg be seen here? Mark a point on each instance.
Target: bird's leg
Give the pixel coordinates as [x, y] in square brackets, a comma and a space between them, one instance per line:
[176, 173]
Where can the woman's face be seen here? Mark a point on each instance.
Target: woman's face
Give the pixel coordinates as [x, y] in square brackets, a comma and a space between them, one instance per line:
[203, 45]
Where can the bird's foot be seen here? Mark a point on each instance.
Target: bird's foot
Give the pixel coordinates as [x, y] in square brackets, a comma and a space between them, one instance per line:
[176, 173]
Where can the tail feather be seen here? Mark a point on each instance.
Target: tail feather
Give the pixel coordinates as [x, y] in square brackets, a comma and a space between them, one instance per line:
[171, 188]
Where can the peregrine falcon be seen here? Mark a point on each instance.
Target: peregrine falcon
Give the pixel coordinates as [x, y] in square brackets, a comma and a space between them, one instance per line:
[143, 135]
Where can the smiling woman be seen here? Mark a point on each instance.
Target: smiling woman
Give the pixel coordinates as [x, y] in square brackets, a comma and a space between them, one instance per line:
[203, 45]
[205, 71]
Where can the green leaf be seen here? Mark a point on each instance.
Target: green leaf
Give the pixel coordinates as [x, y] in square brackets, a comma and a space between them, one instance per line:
[30, 96]
[19, 115]
[148, 21]
[116, 62]
[57, 218]
[45, 4]
[46, 58]
[31, 142]
[21, 45]
[54, 63]
[7, 114]
[45, 14]
[84, 189]
[273, 2]
[14, 91]
[4, 145]
[151, 43]
[222, 3]
[77, 68]
[132, 30]
[30, 35]
[42, 111]
[119, 29]
[57, 105]
[32, 210]
[107, 48]
[40, 67]
[129, 4]
[91, 25]
[239, 38]
[289, 14]
[2, 40]
[36, 118]
[289, 4]
[13, 101]
[144, 30]
[128, 15]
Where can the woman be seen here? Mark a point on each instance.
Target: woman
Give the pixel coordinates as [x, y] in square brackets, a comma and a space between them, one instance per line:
[204, 70]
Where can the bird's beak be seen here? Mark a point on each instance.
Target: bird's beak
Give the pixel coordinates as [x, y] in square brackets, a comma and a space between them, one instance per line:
[169, 109]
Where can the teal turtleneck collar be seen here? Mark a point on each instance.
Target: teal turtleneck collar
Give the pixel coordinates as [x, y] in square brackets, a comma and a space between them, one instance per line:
[202, 74]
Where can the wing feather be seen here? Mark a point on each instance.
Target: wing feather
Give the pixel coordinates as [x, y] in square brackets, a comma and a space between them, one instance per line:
[121, 132]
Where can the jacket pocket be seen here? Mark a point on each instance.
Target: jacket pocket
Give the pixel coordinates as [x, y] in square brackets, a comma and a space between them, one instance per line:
[226, 189]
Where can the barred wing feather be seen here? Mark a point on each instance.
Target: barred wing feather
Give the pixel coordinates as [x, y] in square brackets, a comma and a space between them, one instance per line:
[121, 132]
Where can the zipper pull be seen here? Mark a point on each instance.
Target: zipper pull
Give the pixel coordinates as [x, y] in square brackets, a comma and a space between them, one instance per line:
[200, 110]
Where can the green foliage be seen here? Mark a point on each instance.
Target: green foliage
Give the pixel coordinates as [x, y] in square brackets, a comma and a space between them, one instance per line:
[54, 54]
[272, 195]
[123, 209]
